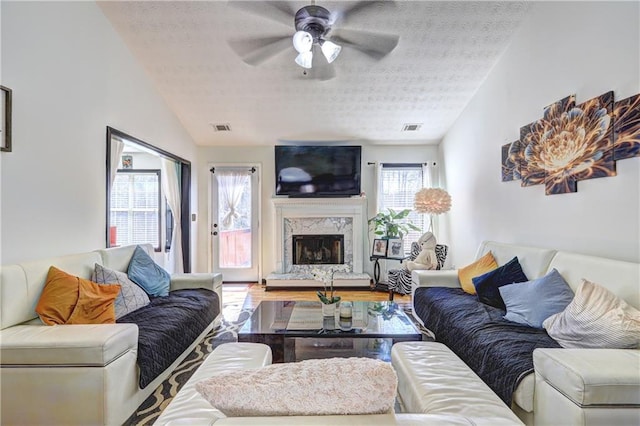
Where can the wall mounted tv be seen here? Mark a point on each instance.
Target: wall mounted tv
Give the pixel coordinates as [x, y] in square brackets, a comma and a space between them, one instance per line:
[317, 171]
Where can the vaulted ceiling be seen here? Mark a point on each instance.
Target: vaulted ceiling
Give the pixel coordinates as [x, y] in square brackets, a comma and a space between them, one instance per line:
[445, 51]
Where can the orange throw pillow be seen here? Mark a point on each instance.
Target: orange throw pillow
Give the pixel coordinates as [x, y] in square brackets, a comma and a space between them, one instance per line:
[59, 297]
[96, 304]
[481, 266]
[63, 294]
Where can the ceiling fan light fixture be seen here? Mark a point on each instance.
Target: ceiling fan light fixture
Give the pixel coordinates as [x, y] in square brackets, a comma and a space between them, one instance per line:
[330, 50]
[302, 41]
[304, 59]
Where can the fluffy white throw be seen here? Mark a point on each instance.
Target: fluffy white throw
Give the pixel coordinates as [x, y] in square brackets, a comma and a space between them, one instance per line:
[311, 387]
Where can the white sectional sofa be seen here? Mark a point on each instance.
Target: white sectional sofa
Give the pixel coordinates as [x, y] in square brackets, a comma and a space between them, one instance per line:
[74, 374]
[441, 389]
[569, 386]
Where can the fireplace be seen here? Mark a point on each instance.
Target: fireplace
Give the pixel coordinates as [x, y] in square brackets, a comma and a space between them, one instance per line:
[318, 217]
[325, 249]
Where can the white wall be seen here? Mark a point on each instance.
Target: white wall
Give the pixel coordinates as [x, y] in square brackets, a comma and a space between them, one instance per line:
[265, 157]
[582, 48]
[71, 77]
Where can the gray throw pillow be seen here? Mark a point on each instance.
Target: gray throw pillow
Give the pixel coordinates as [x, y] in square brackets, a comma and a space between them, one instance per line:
[131, 296]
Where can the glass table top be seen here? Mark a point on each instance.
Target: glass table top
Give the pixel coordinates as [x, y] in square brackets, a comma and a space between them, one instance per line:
[305, 319]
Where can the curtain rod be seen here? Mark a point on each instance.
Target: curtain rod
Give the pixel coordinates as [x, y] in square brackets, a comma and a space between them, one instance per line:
[373, 163]
[252, 170]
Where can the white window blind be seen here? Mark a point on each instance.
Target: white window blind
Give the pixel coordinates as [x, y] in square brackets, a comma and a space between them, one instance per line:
[135, 207]
[397, 188]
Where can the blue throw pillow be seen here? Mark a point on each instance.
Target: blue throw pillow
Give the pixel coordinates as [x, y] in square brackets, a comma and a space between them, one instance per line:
[147, 274]
[487, 285]
[532, 302]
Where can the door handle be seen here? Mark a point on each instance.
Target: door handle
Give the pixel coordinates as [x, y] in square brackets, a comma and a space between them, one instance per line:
[214, 233]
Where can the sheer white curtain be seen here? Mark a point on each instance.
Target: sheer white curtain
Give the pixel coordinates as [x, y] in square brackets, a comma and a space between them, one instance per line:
[231, 183]
[431, 179]
[378, 194]
[430, 175]
[171, 189]
[117, 147]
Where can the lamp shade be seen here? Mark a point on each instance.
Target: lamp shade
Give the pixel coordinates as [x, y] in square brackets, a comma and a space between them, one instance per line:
[302, 41]
[432, 201]
[330, 50]
[304, 59]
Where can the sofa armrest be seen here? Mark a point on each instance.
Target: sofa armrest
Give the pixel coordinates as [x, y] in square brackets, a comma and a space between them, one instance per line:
[68, 345]
[210, 281]
[437, 278]
[591, 377]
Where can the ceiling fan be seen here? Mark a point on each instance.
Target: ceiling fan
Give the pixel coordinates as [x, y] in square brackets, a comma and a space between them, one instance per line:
[315, 40]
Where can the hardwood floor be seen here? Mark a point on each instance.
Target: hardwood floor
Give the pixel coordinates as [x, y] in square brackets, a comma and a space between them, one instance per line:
[255, 293]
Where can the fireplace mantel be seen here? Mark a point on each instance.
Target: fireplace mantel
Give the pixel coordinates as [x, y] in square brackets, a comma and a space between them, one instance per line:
[297, 208]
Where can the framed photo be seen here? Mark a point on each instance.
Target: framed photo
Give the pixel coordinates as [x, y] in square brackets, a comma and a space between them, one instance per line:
[5, 117]
[127, 162]
[379, 248]
[396, 248]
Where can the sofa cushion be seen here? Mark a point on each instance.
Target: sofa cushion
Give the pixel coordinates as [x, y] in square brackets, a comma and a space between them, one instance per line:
[311, 387]
[168, 325]
[483, 265]
[497, 350]
[147, 274]
[487, 285]
[595, 318]
[532, 302]
[131, 296]
[67, 299]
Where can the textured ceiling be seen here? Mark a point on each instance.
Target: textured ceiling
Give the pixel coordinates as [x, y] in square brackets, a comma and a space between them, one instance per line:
[445, 51]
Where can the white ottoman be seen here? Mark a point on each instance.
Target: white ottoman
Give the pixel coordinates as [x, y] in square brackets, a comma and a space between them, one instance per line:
[188, 407]
[432, 379]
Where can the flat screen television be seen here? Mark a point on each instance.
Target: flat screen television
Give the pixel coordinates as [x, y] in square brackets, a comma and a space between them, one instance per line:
[317, 171]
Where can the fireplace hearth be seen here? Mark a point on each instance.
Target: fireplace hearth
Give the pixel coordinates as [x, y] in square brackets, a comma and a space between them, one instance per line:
[325, 249]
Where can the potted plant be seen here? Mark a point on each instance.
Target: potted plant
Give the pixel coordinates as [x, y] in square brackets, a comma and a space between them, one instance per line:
[327, 296]
[388, 225]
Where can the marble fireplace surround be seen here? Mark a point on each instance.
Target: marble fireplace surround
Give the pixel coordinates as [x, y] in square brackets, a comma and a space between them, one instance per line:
[312, 216]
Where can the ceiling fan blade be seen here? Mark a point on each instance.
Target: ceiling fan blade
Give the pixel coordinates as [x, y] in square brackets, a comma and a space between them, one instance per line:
[360, 6]
[376, 45]
[279, 11]
[255, 51]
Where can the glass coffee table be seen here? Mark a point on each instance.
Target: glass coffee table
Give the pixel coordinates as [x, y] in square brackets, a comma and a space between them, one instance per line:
[297, 330]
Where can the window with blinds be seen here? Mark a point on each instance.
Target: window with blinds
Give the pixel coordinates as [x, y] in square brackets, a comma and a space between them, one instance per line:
[135, 207]
[397, 188]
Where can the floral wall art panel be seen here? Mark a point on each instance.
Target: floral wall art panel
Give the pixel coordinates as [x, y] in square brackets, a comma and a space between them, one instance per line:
[592, 126]
[511, 161]
[574, 142]
[626, 127]
[529, 173]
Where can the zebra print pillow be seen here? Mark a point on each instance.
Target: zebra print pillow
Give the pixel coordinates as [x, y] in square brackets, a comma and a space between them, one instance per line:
[595, 318]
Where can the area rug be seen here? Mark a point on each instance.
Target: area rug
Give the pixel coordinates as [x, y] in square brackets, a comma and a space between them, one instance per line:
[233, 318]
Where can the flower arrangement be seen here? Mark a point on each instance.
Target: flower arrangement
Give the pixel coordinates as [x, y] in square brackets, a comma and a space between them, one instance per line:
[325, 275]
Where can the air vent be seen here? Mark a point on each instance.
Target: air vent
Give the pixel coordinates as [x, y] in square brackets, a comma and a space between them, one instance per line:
[221, 127]
[411, 127]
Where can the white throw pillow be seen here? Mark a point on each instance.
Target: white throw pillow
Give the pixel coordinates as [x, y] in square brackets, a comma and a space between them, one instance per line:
[595, 318]
[311, 387]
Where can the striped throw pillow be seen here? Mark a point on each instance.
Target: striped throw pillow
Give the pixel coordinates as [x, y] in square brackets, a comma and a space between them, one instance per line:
[595, 318]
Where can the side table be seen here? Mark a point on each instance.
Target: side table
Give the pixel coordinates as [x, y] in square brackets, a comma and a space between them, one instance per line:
[377, 284]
